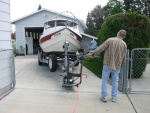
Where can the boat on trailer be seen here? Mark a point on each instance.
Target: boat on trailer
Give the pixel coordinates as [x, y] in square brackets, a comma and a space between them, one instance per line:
[60, 46]
[56, 32]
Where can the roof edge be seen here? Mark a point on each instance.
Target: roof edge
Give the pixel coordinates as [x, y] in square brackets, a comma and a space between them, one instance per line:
[44, 9]
[90, 36]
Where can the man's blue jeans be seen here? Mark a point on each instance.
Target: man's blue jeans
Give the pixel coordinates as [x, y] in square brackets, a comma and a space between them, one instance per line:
[105, 76]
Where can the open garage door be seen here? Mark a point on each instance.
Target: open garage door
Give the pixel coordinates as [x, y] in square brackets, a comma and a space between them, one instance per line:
[32, 35]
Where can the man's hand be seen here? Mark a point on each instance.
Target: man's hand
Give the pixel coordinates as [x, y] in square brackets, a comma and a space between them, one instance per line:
[90, 55]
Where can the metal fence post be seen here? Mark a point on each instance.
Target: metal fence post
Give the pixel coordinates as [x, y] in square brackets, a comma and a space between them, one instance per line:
[13, 70]
[124, 74]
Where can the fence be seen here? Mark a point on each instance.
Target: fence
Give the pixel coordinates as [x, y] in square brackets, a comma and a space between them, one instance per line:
[139, 79]
[7, 71]
[135, 72]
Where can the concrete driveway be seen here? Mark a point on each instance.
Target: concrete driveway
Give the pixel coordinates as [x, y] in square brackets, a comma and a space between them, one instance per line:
[39, 91]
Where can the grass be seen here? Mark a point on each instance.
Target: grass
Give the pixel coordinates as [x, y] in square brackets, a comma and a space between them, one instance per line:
[94, 65]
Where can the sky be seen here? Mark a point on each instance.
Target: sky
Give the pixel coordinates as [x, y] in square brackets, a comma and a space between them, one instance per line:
[80, 8]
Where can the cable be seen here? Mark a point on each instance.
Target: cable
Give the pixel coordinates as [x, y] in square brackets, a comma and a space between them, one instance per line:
[76, 100]
[78, 88]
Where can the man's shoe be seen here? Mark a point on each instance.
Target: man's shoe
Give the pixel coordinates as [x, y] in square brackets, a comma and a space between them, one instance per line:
[113, 99]
[103, 99]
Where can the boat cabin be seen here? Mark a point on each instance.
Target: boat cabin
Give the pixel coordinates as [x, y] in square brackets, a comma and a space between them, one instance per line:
[60, 22]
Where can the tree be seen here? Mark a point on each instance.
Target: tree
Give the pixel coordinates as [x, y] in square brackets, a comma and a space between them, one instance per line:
[94, 21]
[127, 5]
[97, 16]
[40, 7]
[113, 7]
[90, 25]
[138, 6]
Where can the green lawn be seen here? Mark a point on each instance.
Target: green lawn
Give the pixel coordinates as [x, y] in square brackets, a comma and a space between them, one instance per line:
[94, 66]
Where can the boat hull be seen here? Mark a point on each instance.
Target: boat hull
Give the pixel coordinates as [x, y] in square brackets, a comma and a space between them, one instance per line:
[54, 42]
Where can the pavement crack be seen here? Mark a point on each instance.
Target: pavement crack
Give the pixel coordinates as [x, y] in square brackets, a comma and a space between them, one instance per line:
[132, 104]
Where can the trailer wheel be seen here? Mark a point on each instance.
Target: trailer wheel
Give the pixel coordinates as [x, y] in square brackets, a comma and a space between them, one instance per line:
[52, 63]
[39, 62]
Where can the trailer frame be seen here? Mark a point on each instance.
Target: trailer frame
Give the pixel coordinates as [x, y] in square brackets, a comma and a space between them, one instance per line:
[65, 61]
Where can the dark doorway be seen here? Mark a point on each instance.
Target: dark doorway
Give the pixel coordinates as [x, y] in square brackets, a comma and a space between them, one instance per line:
[34, 32]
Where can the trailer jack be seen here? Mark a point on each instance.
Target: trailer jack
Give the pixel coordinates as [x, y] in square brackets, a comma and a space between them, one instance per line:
[70, 78]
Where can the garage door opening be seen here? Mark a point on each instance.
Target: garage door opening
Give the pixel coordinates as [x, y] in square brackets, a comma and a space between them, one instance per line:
[32, 35]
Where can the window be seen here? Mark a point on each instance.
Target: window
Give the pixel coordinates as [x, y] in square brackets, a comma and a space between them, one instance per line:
[50, 24]
[61, 23]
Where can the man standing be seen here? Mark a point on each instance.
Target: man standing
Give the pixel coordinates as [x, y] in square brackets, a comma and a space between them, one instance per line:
[115, 51]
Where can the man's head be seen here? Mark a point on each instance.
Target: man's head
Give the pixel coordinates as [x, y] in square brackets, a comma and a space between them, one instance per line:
[121, 34]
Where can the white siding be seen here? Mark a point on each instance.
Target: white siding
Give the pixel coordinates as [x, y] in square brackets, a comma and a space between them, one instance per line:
[4, 6]
[5, 17]
[5, 44]
[5, 26]
[4, 35]
[6, 1]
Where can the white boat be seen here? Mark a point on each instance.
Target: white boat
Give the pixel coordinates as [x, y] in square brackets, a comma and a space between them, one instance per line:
[58, 31]
[60, 43]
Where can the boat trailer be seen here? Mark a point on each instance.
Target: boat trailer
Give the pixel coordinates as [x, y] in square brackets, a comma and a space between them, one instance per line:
[65, 62]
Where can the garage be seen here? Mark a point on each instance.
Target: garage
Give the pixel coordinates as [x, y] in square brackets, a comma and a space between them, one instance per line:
[29, 28]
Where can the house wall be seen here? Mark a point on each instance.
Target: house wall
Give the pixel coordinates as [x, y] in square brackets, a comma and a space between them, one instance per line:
[35, 20]
[7, 68]
[5, 26]
[86, 43]
[29, 42]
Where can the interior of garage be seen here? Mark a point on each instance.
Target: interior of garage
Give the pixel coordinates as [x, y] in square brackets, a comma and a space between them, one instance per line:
[32, 35]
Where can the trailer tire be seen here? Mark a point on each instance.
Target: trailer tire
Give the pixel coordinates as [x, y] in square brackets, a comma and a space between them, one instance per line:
[39, 62]
[52, 63]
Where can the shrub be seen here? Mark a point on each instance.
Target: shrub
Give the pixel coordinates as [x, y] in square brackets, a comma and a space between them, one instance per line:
[139, 62]
[138, 35]
[14, 49]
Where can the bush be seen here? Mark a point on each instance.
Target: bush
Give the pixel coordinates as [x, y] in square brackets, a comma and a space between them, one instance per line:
[14, 49]
[136, 25]
[138, 35]
[139, 62]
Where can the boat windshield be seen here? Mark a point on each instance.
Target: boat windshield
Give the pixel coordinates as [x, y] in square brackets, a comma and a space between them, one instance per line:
[67, 23]
[61, 23]
[50, 24]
